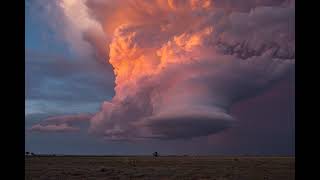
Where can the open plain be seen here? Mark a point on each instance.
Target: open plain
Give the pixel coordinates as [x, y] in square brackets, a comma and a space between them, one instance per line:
[165, 167]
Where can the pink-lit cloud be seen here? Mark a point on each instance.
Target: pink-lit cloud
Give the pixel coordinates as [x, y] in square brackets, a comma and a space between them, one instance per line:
[180, 65]
[64, 123]
[53, 128]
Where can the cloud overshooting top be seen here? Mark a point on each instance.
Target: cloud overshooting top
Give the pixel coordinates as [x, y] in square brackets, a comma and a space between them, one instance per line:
[178, 65]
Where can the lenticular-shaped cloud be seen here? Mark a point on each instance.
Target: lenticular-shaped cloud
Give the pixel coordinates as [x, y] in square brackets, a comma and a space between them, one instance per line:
[53, 128]
[180, 65]
[64, 123]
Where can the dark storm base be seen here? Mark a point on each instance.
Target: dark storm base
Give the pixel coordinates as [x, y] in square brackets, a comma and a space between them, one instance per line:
[166, 167]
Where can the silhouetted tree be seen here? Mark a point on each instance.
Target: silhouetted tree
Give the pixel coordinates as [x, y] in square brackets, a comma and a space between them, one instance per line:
[155, 154]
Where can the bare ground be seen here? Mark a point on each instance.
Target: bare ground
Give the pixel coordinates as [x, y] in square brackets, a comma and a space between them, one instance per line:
[147, 167]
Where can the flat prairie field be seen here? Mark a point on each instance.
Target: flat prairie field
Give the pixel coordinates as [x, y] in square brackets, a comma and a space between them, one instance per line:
[163, 167]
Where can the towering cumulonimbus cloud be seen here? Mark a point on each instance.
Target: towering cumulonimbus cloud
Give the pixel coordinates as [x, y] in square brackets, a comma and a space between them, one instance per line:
[180, 64]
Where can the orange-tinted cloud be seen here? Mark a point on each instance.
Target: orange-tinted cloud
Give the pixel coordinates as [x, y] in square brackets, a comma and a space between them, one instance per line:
[180, 64]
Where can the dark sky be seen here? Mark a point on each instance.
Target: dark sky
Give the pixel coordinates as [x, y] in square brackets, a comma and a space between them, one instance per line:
[61, 82]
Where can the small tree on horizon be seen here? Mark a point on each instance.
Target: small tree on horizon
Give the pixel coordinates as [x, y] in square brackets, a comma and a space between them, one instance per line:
[155, 154]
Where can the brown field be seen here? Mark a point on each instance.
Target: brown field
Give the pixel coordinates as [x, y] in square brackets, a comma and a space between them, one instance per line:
[167, 167]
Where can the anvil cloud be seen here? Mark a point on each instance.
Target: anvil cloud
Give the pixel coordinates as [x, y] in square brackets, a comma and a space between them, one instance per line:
[179, 65]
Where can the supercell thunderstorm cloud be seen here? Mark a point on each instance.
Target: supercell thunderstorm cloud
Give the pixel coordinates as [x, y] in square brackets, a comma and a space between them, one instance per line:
[179, 65]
